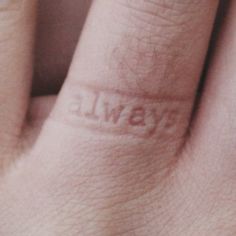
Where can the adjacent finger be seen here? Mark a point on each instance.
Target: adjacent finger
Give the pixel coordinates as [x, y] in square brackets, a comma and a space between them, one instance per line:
[215, 122]
[17, 18]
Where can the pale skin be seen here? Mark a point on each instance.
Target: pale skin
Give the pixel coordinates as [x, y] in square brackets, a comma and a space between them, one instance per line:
[119, 151]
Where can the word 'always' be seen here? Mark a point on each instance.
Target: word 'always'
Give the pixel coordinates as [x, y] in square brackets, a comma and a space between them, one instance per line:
[120, 113]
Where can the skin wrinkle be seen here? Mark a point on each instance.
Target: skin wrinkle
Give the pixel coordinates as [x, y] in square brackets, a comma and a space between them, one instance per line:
[115, 220]
[118, 184]
[141, 212]
[158, 11]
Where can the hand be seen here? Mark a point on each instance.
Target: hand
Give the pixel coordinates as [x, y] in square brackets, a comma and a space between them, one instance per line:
[127, 149]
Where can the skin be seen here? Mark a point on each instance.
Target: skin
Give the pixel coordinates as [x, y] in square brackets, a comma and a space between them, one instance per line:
[127, 147]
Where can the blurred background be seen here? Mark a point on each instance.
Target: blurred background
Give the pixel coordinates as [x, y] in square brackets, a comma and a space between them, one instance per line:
[59, 25]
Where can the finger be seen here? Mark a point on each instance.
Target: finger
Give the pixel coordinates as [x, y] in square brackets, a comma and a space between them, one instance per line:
[137, 67]
[125, 106]
[215, 121]
[16, 43]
